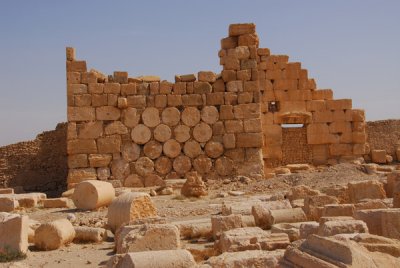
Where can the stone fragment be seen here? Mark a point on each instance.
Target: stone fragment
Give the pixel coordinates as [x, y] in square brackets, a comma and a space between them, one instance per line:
[221, 224]
[366, 189]
[152, 179]
[378, 156]
[89, 234]
[214, 149]
[14, 230]
[133, 180]
[60, 202]
[136, 238]
[261, 211]
[224, 166]
[8, 203]
[194, 185]
[130, 151]
[129, 207]
[93, 194]
[331, 228]
[202, 164]
[52, 235]
[182, 164]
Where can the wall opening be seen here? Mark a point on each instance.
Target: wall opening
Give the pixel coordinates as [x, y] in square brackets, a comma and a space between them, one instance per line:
[292, 125]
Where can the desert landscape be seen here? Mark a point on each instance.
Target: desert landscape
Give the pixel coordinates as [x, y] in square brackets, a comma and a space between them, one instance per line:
[254, 166]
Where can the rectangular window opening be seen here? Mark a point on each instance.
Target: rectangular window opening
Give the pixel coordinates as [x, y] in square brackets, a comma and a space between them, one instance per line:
[292, 125]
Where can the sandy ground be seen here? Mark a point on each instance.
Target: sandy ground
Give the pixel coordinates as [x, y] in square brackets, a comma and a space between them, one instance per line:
[175, 207]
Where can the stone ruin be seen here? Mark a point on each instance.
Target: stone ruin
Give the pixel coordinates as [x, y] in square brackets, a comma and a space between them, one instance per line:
[138, 131]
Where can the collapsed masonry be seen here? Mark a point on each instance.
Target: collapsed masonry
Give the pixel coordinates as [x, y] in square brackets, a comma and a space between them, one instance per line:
[223, 124]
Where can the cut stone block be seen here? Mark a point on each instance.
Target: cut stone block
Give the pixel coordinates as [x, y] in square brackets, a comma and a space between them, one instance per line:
[13, 233]
[224, 223]
[366, 189]
[53, 235]
[331, 228]
[93, 194]
[61, 202]
[135, 238]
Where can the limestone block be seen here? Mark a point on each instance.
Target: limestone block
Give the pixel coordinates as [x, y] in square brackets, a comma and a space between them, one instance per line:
[242, 28]
[99, 160]
[8, 203]
[248, 140]
[53, 235]
[340, 149]
[130, 117]
[331, 228]
[192, 100]
[128, 207]
[246, 111]
[378, 243]
[89, 195]
[133, 180]
[224, 166]
[308, 228]
[323, 116]
[76, 161]
[314, 205]
[115, 127]
[111, 144]
[366, 189]
[120, 169]
[248, 258]
[107, 113]
[202, 132]
[60, 202]
[80, 114]
[171, 148]
[163, 165]
[250, 238]
[70, 53]
[209, 114]
[373, 219]
[141, 134]
[81, 174]
[13, 233]
[338, 210]
[73, 78]
[136, 238]
[233, 126]
[318, 133]
[202, 164]
[144, 166]
[339, 104]
[89, 234]
[221, 224]
[136, 101]
[273, 135]
[192, 149]
[179, 258]
[202, 87]
[6, 191]
[130, 151]
[291, 229]
[152, 149]
[378, 156]
[390, 222]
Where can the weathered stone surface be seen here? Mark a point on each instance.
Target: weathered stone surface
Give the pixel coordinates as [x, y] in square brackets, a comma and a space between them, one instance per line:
[194, 185]
[182, 133]
[53, 235]
[191, 116]
[153, 180]
[194, 228]
[221, 224]
[179, 258]
[144, 166]
[171, 116]
[331, 228]
[13, 233]
[136, 238]
[120, 169]
[162, 133]
[163, 165]
[209, 114]
[172, 148]
[8, 203]
[214, 149]
[131, 117]
[130, 152]
[202, 164]
[141, 134]
[182, 164]
[133, 180]
[153, 149]
[192, 149]
[224, 166]
[60, 202]
[366, 189]
[89, 234]
[261, 211]
[111, 144]
[151, 117]
[128, 207]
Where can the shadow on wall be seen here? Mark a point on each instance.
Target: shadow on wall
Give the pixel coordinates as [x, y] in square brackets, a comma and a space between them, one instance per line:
[39, 165]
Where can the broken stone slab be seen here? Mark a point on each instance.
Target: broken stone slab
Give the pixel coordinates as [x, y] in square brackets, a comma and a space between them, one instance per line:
[390, 223]
[301, 192]
[196, 228]
[370, 204]
[179, 258]
[13, 233]
[8, 204]
[248, 258]
[221, 224]
[250, 238]
[308, 228]
[288, 215]
[53, 235]
[60, 202]
[291, 229]
[371, 189]
[314, 205]
[128, 207]
[93, 194]
[136, 238]
[378, 243]
[393, 179]
[324, 219]
[331, 228]
[6, 190]
[338, 210]
[243, 207]
[331, 252]
[373, 219]
[89, 234]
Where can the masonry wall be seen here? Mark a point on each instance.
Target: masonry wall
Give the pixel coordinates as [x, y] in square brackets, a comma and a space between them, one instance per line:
[139, 131]
[384, 135]
[37, 165]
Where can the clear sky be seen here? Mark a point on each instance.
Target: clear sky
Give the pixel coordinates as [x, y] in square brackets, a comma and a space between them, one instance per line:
[350, 46]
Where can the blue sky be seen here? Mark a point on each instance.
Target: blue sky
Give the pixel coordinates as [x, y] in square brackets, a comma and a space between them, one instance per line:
[350, 46]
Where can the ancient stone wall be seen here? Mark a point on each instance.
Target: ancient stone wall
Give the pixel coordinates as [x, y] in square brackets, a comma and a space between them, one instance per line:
[384, 135]
[295, 148]
[38, 165]
[141, 130]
